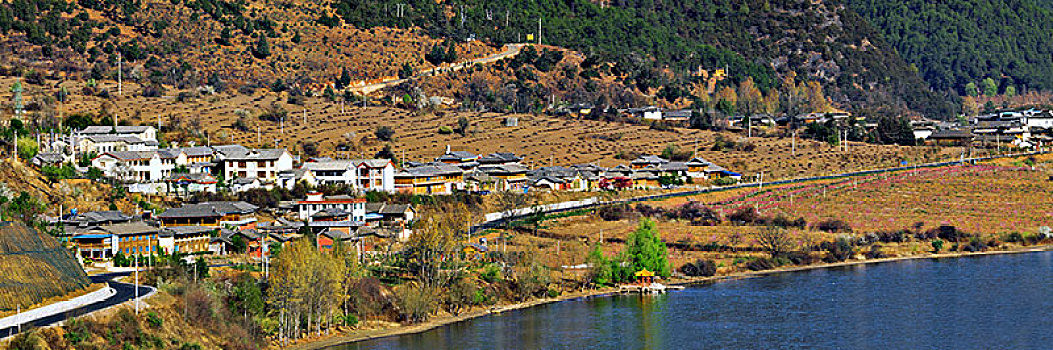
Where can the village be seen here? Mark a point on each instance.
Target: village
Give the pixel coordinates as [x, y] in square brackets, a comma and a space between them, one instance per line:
[130, 156]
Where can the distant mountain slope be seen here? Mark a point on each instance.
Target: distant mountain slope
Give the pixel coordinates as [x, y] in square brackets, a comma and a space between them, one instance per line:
[957, 42]
[35, 266]
[763, 39]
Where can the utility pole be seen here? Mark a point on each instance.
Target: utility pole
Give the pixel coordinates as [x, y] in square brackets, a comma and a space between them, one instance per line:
[539, 30]
[120, 81]
[137, 284]
[793, 144]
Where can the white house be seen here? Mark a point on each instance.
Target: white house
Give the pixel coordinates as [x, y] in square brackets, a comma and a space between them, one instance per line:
[649, 113]
[109, 143]
[360, 174]
[139, 166]
[262, 164]
[1039, 120]
[316, 202]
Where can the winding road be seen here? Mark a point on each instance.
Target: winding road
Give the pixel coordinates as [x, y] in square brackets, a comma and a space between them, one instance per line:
[511, 50]
[125, 292]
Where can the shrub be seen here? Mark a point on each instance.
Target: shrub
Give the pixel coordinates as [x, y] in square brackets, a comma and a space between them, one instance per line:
[154, 319]
[416, 303]
[697, 213]
[801, 258]
[783, 221]
[613, 212]
[937, 246]
[699, 268]
[839, 250]
[946, 232]
[833, 226]
[384, 133]
[975, 245]
[491, 273]
[1014, 237]
[744, 216]
[760, 264]
[724, 181]
[896, 236]
[349, 320]
[875, 253]
[445, 130]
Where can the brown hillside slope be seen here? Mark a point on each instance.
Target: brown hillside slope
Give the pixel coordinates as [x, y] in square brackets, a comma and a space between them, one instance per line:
[35, 266]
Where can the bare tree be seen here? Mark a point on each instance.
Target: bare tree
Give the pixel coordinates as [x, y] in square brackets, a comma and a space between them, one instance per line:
[775, 240]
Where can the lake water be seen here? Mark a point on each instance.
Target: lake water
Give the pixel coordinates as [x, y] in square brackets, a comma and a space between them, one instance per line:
[982, 302]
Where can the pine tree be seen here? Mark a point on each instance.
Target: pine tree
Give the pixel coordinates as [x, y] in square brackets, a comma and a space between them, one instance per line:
[262, 49]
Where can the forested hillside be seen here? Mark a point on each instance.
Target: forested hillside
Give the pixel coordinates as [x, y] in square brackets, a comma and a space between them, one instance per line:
[956, 44]
[762, 39]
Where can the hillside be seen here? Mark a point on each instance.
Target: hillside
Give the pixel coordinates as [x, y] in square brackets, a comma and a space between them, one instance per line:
[198, 42]
[340, 130]
[956, 44]
[660, 45]
[35, 266]
[655, 50]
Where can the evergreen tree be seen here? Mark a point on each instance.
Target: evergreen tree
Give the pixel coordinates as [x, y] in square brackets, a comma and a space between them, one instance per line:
[646, 250]
[262, 48]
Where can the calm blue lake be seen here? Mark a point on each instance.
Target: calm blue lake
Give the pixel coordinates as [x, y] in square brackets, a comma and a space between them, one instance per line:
[982, 302]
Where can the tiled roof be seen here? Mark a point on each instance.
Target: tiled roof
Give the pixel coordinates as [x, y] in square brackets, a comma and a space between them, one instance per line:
[131, 155]
[431, 169]
[208, 209]
[186, 230]
[457, 155]
[649, 159]
[121, 129]
[499, 157]
[228, 149]
[255, 154]
[127, 228]
[673, 166]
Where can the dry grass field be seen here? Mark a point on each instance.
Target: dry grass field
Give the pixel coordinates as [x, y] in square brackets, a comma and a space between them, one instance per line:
[991, 201]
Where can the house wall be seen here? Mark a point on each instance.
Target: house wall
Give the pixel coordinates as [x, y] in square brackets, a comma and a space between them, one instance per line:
[138, 244]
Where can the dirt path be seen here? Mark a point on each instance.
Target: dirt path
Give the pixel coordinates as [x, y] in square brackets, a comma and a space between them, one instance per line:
[511, 50]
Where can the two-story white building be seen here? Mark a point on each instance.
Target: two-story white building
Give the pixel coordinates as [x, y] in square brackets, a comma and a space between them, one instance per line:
[140, 166]
[99, 144]
[360, 174]
[261, 164]
[316, 202]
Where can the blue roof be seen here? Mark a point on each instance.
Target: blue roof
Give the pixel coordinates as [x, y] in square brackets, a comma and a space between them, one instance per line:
[93, 235]
[374, 216]
[731, 173]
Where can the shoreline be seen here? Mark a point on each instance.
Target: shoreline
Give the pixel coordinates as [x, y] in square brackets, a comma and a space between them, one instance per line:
[369, 334]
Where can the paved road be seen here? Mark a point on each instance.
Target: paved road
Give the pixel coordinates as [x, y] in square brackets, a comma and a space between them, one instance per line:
[125, 292]
[510, 51]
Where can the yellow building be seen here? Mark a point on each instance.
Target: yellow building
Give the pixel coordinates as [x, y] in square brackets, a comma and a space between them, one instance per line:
[186, 239]
[429, 179]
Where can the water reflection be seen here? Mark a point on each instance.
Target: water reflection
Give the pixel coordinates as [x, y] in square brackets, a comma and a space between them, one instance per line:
[984, 302]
